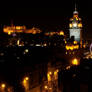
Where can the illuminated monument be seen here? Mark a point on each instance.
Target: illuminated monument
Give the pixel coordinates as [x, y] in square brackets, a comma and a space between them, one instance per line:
[75, 27]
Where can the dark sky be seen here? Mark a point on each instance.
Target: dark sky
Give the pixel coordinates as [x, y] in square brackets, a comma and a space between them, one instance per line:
[55, 14]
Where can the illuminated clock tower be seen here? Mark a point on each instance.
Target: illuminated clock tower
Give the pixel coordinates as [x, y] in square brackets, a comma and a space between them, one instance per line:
[75, 27]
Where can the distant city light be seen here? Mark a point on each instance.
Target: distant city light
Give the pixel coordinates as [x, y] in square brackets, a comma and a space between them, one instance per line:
[26, 50]
[3, 85]
[61, 33]
[68, 67]
[46, 87]
[26, 78]
[75, 62]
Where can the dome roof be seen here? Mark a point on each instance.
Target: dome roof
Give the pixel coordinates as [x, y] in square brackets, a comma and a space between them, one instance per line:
[75, 12]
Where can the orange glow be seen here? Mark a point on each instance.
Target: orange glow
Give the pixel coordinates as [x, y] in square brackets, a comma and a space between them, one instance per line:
[76, 18]
[47, 34]
[50, 73]
[61, 33]
[70, 25]
[46, 87]
[76, 47]
[71, 47]
[75, 61]
[75, 42]
[65, 42]
[18, 42]
[57, 70]
[3, 85]
[71, 19]
[67, 47]
[79, 25]
[8, 30]
[33, 30]
[9, 33]
[26, 78]
[25, 81]
[84, 46]
[75, 15]
[12, 29]
[49, 77]
[56, 74]
[68, 67]
[20, 29]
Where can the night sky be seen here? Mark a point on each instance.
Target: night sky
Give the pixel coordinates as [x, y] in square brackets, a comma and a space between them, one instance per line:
[47, 15]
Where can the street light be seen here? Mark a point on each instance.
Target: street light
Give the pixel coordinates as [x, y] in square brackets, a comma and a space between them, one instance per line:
[26, 78]
[75, 61]
[56, 74]
[52, 83]
[3, 86]
[46, 87]
[26, 50]
[26, 84]
[49, 76]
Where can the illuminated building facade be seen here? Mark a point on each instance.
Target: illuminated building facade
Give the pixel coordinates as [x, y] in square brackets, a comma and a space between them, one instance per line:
[54, 33]
[75, 27]
[33, 31]
[14, 29]
[20, 29]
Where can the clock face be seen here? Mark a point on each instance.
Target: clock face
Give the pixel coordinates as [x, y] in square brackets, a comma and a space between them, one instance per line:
[75, 33]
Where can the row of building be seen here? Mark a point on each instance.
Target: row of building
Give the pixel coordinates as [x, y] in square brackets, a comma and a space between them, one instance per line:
[75, 28]
[75, 33]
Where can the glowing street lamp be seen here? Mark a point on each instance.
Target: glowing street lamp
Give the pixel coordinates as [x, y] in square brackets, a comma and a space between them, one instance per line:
[52, 81]
[18, 42]
[75, 62]
[26, 84]
[49, 76]
[46, 87]
[26, 78]
[61, 33]
[26, 50]
[56, 74]
[3, 86]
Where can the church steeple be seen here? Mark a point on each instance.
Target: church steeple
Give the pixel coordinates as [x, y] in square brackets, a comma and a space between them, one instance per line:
[75, 7]
[75, 11]
[75, 26]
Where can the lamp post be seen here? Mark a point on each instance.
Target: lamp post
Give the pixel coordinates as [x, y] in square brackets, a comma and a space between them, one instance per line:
[26, 84]
[52, 81]
[75, 75]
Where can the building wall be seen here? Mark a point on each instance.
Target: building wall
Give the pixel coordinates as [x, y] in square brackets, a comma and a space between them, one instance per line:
[36, 89]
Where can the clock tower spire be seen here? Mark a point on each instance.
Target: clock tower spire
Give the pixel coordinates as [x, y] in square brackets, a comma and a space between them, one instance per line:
[75, 26]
